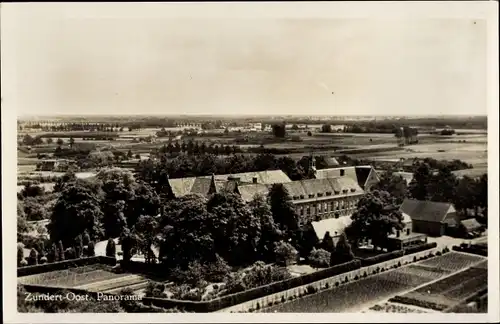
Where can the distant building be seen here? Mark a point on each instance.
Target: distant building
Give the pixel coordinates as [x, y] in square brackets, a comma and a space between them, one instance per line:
[58, 165]
[432, 218]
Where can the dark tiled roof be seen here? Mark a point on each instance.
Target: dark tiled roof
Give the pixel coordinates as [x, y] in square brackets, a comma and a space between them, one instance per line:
[359, 173]
[304, 188]
[426, 210]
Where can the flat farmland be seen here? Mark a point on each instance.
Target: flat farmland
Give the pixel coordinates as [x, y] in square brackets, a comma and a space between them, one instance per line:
[360, 294]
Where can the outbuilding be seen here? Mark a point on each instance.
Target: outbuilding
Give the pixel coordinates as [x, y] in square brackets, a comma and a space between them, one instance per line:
[430, 217]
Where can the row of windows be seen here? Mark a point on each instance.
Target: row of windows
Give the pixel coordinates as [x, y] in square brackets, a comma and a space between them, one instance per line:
[324, 207]
[328, 193]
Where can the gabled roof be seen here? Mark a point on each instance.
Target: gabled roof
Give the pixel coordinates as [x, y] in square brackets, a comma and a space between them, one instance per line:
[248, 191]
[359, 173]
[430, 211]
[333, 225]
[471, 224]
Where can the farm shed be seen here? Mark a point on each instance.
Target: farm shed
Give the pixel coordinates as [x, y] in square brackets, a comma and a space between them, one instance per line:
[429, 217]
[469, 226]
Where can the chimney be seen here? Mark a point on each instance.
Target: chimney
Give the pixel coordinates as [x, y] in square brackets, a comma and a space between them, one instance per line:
[342, 172]
[254, 179]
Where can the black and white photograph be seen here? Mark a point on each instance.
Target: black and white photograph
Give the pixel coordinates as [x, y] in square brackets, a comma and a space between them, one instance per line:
[257, 158]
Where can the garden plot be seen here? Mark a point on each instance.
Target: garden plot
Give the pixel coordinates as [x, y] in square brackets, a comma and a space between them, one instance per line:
[453, 261]
[356, 295]
[447, 292]
[72, 277]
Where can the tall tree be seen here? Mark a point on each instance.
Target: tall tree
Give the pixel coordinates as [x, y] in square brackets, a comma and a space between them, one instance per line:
[377, 217]
[343, 252]
[442, 187]
[419, 186]
[270, 232]
[395, 185]
[146, 230]
[77, 209]
[282, 209]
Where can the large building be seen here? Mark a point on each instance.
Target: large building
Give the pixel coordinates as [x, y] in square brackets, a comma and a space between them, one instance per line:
[327, 201]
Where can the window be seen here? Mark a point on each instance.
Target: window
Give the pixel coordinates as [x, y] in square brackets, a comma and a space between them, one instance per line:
[311, 195]
[308, 210]
[325, 207]
[301, 210]
[320, 195]
[407, 231]
[331, 205]
[319, 208]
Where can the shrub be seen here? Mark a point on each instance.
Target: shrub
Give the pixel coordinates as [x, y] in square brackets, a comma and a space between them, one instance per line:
[270, 304]
[110, 248]
[311, 289]
[414, 259]
[43, 260]
[319, 258]
[438, 253]
[285, 253]
[23, 263]
[399, 264]
[290, 297]
[20, 253]
[33, 257]
[356, 277]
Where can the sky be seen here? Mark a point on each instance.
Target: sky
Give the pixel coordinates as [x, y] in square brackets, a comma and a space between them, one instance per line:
[58, 61]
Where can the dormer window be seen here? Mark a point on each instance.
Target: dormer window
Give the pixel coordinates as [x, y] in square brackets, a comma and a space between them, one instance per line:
[344, 191]
[328, 193]
[337, 192]
[320, 195]
[301, 196]
[311, 195]
[353, 189]
[295, 197]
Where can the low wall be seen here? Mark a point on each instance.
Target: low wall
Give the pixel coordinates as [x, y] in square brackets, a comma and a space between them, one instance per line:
[319, 285]
[61, 265]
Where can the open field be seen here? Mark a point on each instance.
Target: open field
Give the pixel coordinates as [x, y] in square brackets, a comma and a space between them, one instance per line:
[352, 297]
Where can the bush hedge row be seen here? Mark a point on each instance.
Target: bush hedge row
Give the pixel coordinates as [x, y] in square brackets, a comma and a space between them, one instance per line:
[381, 258]
[61, 265]
[396, 254]
[473, 249]
[241, 297]
[419, 303]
